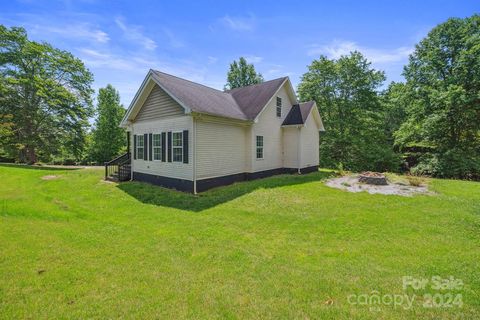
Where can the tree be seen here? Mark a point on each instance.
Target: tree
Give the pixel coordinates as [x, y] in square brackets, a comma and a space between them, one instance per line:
[394, 100]
[346, 92]
[108, 138]
[443, 82]
[6, 132]
[242, 74]
[48, 93]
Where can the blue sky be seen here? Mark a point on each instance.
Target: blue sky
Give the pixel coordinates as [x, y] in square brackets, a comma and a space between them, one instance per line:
[120, 40]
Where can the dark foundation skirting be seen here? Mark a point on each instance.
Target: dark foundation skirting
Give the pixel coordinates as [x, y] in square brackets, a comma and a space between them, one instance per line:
[205, 184]
[172, 183]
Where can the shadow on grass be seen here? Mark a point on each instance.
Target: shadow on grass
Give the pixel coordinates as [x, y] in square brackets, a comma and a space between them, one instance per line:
[35, 167]
[159, 196]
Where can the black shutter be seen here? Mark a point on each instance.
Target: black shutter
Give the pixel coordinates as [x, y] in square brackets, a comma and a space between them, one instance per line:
[164, 146]
[128, 144]
[135, 146]
[185, 146]
[145, 151]
[150, 144]
[169, 151]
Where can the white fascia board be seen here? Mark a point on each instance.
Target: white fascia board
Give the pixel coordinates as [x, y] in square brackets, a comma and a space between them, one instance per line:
[292, 94]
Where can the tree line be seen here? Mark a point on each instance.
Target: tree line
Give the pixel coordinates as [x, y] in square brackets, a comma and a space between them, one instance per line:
[46, 104]
[428, 124]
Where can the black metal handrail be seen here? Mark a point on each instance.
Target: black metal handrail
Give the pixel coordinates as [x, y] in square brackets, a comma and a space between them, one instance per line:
[119, 158]
[119, 166]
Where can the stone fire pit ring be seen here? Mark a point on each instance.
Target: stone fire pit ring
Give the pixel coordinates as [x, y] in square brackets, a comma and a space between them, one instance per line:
[374, 178]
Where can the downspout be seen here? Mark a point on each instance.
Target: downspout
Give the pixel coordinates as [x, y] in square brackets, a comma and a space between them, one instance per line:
[299, 150]
[131, 151]
[194, 134]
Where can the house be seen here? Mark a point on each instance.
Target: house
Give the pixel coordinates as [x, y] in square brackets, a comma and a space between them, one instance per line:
[190, 137]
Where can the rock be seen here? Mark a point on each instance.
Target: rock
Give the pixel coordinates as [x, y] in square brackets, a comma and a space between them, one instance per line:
[374, 178]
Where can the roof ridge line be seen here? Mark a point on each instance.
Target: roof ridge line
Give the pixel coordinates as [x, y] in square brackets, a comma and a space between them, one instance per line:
[219, 91]
[171, 75]
[255, 84]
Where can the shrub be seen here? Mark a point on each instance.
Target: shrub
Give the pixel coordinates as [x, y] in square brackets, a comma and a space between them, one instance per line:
[340, 170]
[454, 163]
[69, 162]
[415, 181]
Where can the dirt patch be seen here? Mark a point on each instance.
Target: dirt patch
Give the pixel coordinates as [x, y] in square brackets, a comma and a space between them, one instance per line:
[49, 177]
[107, 181]
[351, 184]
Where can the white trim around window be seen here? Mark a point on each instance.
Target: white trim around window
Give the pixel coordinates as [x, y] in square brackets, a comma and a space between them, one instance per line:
[157, 147]
[177, 146]
[140, 146]
[259, 147]
[279, 107]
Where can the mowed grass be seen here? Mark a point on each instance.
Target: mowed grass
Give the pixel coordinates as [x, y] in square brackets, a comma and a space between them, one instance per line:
[284, 247]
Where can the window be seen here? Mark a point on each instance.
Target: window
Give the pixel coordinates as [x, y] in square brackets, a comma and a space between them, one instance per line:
[279, 107]
[177, 146]
[157, 146]
[259, 147]
[140, 146]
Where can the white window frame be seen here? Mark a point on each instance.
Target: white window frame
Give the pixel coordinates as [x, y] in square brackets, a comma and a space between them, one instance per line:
[140, 155]
[177, 147]
[257, 147]
[279, 107]
[157, 147]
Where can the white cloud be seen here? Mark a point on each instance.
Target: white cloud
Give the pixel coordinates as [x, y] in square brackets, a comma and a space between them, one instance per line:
[274, 69]
[94, 54]
[253, 59]
[106, 60]
[141, 64]
[76, 31]
[134, 33]
[239, 23]
[125, 70]
[338, 48]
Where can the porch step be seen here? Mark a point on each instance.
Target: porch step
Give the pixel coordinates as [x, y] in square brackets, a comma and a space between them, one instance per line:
[119, 168]
[112, 177]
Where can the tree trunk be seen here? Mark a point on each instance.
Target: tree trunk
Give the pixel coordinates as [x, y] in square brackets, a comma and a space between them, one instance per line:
[31, 155]
[22, 156]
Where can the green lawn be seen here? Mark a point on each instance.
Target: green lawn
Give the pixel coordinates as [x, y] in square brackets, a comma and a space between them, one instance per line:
[281, 248]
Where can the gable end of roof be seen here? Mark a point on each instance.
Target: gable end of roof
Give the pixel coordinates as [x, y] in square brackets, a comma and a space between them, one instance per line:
[245, 103]
[298, 114]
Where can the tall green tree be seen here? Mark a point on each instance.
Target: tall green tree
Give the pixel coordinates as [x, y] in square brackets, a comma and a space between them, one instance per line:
[108, 139]
[242, 74]
[48, 93]
[443, 81]
[394, 100]
[347, 94]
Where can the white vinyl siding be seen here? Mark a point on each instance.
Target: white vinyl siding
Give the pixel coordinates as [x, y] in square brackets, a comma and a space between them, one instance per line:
[177, 170]
[309, 139]
[290, 147]
[158, 105]
[220, 149]
[157, 146]
[270, 127]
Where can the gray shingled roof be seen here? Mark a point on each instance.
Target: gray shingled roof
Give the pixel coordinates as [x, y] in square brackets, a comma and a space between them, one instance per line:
[200, 98]
[253, 98]
[241, 103]
[298, 114]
